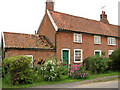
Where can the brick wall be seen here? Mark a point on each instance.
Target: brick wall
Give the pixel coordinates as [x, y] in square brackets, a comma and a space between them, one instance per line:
[37, 54]
[65, 41]
[46, 28]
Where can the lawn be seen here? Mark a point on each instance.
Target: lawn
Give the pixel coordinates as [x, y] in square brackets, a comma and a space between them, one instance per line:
[91, 76]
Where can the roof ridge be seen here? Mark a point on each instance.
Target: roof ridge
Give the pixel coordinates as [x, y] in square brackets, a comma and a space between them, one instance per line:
[81, 17]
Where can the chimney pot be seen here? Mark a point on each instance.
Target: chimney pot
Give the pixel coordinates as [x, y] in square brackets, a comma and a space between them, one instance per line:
[103, 18]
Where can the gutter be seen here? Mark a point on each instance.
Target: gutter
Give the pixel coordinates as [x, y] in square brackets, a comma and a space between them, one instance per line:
[64, 30]
[30, 49]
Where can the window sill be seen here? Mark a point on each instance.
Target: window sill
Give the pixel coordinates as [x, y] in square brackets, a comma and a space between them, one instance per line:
[111, 44]
[78, 42]
[78, 62]
[97, 43]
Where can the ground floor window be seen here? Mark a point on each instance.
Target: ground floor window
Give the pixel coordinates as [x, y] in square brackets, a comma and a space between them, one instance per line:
[77, 55]
[110, 52]
[31, 57]
[97, 52]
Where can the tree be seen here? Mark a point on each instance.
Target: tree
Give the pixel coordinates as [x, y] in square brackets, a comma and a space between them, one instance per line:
[115, 57]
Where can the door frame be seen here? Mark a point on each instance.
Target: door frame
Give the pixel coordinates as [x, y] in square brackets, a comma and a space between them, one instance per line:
[97, 51]
[68, 55]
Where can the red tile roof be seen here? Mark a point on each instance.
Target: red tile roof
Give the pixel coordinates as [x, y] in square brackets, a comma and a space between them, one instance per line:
[80, 24]
[19, 40]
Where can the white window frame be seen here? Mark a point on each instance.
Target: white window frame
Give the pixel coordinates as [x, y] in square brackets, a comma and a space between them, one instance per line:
[81, 55]
[109, 52]
[62, 54]
[77, 37]
[110, 38]
[31, 64]
[98, 37]
[97, 51]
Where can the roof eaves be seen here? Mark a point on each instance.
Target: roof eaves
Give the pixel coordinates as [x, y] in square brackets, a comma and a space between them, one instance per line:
[59, 30]
[27, 48]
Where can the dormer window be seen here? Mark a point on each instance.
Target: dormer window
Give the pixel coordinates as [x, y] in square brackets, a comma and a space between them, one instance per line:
[111, 41]
[77, 37]
[97, 39]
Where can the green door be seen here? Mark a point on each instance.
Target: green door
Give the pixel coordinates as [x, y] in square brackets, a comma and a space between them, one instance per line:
[65, 56]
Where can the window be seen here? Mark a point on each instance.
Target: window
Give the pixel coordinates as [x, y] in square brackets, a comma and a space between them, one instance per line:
[31, 56]
[97, 52]
[97, 40]
[111, 41]
[77, 38]
[77, 55]
[110, 52]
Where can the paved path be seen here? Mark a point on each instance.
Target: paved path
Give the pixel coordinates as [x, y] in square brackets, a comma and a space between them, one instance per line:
[108, 84]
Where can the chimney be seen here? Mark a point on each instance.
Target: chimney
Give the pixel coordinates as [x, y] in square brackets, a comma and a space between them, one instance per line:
[50, 5]
[103, 18]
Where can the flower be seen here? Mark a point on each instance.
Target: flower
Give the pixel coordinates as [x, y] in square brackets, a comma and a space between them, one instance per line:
[107, 66]
[68, 74]
[66, 60]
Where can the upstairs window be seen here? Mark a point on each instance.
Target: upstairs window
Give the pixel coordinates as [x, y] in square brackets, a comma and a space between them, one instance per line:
[77, 37]
[111, 41]
[97, 40]
[77, 55]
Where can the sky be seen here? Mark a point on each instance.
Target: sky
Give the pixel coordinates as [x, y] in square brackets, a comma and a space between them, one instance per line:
[24, 16]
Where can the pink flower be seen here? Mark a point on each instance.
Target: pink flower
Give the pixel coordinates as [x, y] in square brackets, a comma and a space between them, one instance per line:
[80, 64]
[107, 67]
[68, 74]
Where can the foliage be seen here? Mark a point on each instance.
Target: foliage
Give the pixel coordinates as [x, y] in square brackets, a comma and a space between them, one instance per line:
[19, 69]
[49, 71]
[115, 57]
[78, 72]
[96, 64]
[62, 67]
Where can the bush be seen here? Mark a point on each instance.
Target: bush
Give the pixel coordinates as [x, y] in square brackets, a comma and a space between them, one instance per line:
[96, 64]
[49, 71]
[78, 72]
[19, 69]
[62, 68]
[115, 57]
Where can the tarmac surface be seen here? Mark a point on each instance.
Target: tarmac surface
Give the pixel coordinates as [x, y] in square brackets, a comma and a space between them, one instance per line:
[85, 84]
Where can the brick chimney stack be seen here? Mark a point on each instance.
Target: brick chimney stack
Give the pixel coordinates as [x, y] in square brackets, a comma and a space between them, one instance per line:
[103, 18]
[50, 5]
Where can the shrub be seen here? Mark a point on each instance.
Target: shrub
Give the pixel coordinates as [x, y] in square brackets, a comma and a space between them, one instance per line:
[115, 57]
[62, 67]
[49, 71]
[19, 69]
[78, 72]
[96, 64]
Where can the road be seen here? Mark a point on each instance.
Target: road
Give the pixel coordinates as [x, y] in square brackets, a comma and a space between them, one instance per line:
[108, 84]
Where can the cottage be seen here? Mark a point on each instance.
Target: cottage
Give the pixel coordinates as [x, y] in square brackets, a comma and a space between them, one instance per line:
[65, 37]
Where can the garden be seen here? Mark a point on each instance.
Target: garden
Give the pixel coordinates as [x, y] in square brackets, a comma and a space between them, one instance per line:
[17, 72]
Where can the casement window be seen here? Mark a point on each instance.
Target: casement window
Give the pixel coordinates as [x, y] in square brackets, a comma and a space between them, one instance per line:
[97, 39]
[31, 57]
[97, 52]
[110, 52]
[77, 55]
[111, 41]
[77, 37]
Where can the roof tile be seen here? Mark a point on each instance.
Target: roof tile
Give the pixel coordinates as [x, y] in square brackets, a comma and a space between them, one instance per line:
[19, 40]
[80, 24]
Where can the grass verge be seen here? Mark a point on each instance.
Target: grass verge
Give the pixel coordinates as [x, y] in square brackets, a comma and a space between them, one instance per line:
[92, 76]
